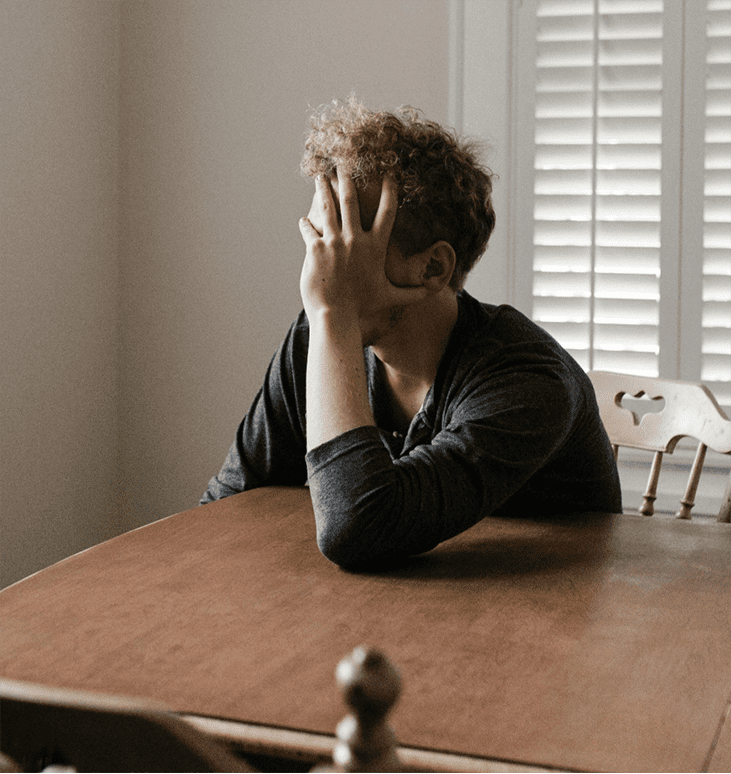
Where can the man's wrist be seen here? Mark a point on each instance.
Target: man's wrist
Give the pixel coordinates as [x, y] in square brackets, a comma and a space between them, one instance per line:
[337, 393]
[339, 321]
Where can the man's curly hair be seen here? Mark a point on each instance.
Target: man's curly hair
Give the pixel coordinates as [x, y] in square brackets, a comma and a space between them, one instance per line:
[443, 191]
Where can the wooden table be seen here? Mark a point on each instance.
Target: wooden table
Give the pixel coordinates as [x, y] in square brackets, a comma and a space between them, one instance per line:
[600, 643]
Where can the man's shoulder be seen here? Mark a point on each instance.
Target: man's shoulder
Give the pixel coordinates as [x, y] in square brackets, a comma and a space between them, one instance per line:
[299, 332]
[501, 324]
[503, 339]
[290, 358]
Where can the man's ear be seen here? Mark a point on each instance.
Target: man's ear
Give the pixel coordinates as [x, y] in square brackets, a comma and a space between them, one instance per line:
[439, 266]
[431, 269]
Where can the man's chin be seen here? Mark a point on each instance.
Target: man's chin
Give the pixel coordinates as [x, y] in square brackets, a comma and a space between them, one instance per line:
[389, 322]
[371, 338]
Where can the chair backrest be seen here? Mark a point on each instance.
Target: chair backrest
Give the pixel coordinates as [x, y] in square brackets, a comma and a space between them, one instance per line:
[42, 727]
[678, 410]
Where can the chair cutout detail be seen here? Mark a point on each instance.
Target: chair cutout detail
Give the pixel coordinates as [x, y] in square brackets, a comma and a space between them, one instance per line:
[640, 405]
[689, 410]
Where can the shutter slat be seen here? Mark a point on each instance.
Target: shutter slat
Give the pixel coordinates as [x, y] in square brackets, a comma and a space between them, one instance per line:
[715, 314]
[561, 258]
[628, 260]
[578, 207]
[617, 337]
[716, 261]
[716, 209]
[718, 129]
[717, 182]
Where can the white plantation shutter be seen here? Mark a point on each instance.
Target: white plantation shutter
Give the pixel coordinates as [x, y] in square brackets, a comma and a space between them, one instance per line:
[631, 238]
[716, 337]
[598, 135]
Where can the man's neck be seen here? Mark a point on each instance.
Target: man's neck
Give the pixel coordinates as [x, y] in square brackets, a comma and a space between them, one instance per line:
[412, 351]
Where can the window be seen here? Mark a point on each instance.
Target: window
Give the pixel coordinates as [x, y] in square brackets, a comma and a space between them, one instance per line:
[621, 159]
[609, 123]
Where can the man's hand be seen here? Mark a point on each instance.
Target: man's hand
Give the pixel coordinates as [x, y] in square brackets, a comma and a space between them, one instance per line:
[344, 272]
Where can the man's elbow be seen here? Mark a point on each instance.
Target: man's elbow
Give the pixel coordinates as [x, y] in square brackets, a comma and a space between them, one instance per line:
[356, 533]
[347, 548]
[337, 546]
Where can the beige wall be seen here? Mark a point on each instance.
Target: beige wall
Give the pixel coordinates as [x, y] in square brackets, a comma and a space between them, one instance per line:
[215, 104]
[148, 296]
[59, 65]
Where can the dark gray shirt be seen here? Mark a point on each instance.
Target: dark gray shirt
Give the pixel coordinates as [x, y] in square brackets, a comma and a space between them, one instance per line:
[510, 426]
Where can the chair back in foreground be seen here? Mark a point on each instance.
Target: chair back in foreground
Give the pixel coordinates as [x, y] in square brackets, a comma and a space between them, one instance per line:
[49, 728]
[676, 410]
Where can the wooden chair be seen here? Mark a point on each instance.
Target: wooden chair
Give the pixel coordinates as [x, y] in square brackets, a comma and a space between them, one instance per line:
[689, 410]
[49, 728]
[52, 729]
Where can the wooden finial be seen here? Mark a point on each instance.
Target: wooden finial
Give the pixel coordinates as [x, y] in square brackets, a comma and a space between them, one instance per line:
[370, 685]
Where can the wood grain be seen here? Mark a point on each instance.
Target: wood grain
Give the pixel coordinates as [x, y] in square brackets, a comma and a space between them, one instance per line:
[598, 643]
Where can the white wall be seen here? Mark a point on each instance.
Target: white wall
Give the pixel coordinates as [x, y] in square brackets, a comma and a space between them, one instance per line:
[58, 279]
[216, 97]
[149, 199]
[482, 45]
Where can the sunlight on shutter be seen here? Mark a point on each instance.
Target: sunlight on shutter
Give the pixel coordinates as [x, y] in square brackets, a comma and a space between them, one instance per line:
[597, 180]
[716, 351]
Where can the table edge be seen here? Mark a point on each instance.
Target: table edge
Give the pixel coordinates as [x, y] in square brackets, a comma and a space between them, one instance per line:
[274, 741]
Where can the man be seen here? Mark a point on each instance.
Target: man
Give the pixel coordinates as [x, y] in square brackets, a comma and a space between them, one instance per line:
[412, 410]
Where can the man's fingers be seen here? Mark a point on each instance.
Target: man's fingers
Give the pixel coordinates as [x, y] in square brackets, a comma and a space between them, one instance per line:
[387, 206]
[349, 205]
[308, 231]
[327, 204]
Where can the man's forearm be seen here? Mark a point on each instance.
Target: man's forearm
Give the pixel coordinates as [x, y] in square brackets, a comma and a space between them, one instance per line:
[337, 389]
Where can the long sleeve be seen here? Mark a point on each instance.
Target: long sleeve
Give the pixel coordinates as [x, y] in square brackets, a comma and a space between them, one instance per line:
[269, 447]
[512, 428]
